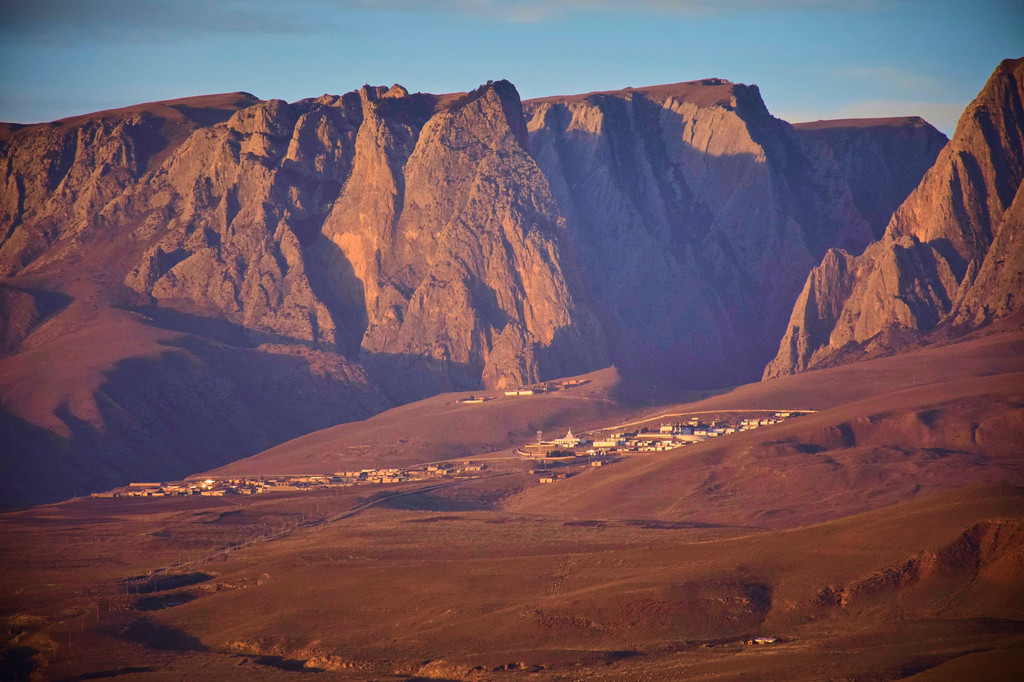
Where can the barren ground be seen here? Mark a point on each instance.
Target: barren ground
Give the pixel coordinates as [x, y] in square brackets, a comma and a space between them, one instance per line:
[880, 538]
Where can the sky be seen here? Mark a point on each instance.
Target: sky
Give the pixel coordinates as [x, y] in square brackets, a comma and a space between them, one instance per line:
[812, 59]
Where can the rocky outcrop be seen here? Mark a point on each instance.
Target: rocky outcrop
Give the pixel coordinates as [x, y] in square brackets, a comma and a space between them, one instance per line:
[452, 238]
[998, 289]
[65, 181]
[695, 216]
[950, 255]
[233, 203]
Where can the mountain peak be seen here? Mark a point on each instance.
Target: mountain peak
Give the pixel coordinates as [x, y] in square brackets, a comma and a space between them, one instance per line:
[707, 92]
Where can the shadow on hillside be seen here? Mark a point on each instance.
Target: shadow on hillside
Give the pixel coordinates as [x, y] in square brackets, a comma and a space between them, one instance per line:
[288, 664]
[434, 502]
[104, 674]
[160, 637]
[406, 377]
[194, 407]
[655, 524]
[30, 457]
[213, 328]
[638, 389]
[22, 310]
[160, 583]
[18, 663]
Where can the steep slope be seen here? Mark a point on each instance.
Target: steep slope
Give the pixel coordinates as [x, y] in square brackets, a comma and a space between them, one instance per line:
[695, 216]
[962, 220]
[882, 160]
[452, 236]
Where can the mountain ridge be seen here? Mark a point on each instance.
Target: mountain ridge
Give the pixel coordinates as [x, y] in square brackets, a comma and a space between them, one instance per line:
[922, 274]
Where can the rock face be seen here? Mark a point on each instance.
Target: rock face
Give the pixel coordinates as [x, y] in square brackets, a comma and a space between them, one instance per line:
[414, 228]
[452, 239]
[950, 256]
[695, 216]
[881, 160]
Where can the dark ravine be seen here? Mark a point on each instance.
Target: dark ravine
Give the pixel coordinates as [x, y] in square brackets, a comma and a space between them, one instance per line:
[950, 260]
[394, 245]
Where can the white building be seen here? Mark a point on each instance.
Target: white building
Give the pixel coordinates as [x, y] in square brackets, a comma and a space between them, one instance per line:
[568, 441]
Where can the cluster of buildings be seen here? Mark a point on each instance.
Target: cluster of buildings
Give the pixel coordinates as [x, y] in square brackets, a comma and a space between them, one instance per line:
[253, 485]
[549, 387]
[666, 437]
[569, 450]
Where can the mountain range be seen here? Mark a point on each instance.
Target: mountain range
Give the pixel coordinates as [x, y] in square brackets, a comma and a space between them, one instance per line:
[189, 282]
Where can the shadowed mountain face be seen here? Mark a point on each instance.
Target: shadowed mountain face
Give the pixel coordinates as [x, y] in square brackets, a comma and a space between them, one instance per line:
[881, 160]
[950, 259]
[693, 214]
[394, 245]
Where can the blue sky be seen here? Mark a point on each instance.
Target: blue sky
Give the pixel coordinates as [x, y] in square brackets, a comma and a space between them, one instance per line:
[811, 58]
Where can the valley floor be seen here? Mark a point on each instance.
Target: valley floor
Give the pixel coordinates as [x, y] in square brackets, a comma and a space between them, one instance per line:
[154, 589]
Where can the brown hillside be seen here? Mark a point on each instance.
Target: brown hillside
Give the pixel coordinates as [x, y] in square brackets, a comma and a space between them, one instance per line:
[886, 431]
[393, 594]
[440, 428]
[98, 397]
[876, 538]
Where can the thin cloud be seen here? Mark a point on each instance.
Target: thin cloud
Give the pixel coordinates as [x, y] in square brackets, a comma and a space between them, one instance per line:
[47, 21]
[535, 11]
[892, 77]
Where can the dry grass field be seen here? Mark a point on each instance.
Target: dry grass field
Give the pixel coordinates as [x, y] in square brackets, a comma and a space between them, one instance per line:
[440, 428]
[878, 538]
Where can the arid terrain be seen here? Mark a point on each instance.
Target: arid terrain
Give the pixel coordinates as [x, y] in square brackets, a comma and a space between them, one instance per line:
[880, 537]
[315, 361]
[215, 275]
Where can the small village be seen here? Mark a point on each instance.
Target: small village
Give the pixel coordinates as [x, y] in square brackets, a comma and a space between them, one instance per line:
[255, 485]
[607, 446]
[554, 460]
[644, 440]
[538, 389]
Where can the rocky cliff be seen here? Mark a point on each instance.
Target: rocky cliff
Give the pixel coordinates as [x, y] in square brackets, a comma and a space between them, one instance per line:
[412, 228]
[881, 160]
[452, 241]
[695, 216]
[950, 256]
